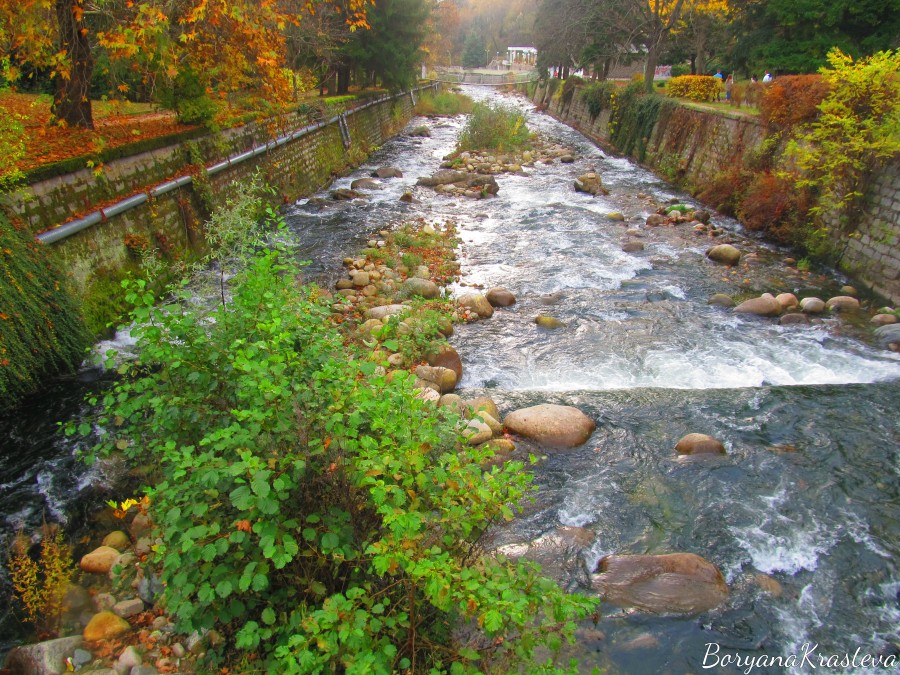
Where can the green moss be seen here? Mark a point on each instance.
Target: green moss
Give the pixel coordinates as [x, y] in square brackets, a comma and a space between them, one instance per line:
[42, 334]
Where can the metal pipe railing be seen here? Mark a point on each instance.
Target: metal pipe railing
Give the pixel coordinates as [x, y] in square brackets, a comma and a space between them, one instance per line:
[100, 215]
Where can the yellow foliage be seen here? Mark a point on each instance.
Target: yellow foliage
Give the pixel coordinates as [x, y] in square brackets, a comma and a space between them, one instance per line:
[40, 585]
[695, 87]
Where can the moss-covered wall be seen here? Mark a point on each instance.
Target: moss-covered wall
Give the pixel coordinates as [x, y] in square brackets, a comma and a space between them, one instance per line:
[691, 147]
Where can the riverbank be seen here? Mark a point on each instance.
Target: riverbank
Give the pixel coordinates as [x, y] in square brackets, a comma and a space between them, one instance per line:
[703, 152]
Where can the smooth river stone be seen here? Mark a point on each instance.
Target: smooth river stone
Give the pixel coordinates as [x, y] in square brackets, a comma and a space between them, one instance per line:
[556, 426]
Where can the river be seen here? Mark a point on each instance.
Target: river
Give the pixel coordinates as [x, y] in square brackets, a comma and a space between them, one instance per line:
[808, 493]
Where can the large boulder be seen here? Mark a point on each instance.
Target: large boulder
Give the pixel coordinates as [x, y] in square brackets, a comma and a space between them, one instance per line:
[387, 172]
[117, 540]
[889, 334]
[100, 560]
[812, 305]
[556, 426]
[366, 184]
[343, 194]
[104, 626]
[444, 378]
[590, 183]
[500, 297]
[699, 444]
[764, 305]
[477, 303]
[42, 658]
[677, 583]
[446, 356]
[842, 303]
[787, 300]
[725, 254]
[487, 184]
[423, 288]
[384, 311]
[443, 177]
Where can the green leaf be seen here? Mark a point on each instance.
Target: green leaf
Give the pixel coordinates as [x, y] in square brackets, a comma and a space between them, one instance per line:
[268, 616]
[224, 589]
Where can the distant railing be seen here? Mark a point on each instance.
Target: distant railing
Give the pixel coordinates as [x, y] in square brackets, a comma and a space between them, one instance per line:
[483, 77]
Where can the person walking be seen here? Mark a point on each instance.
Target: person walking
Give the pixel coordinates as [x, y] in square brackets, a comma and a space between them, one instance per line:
[768, 77]
[729, 85]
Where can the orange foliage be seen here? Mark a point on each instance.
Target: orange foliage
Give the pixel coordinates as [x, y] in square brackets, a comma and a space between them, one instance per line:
[791, 100]
[772, 204]
[46, 143]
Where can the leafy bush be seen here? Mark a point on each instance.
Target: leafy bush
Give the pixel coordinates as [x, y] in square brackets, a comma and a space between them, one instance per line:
[568, 89]
[792, 100]
[315, 512]
[444, 103]
[858, 126]
[771, 204]
[494, 127]
[695, 87]
[190, 100]
[40, 585]
[634, 115]
[42, 333]
[598, 96]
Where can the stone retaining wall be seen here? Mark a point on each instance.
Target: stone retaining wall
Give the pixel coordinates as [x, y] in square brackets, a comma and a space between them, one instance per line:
[172, 222]
[690, 146]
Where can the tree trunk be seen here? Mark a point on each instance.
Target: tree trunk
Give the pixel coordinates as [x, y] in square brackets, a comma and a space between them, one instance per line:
[71, 101]
[650, 66]
[343, 80]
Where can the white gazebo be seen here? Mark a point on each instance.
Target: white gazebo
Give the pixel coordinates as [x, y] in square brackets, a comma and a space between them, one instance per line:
[522, 56]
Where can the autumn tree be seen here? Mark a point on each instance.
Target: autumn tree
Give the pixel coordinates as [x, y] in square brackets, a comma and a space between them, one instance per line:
[228, 44]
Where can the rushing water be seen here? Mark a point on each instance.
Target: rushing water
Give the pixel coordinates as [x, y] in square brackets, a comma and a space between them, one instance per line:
[808, 493]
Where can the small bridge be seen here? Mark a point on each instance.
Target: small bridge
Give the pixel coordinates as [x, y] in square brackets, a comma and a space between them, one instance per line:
[484, 77]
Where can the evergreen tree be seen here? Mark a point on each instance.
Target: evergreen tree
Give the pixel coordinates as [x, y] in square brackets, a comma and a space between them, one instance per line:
[474, 51]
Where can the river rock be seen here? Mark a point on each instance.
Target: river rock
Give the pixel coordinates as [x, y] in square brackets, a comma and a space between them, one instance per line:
[500, 297]
[384, 311]
[128, 659]
[477, 432]
[632, 247]
[423, 288]
[117, 540]
[556, 426]
[483, 183]
[889, 334]
[477, 303]
[128, 608]
[545, 321]
[590, 183]
[420, 132]
[616, 216]
[452, 401]
[443, 177]
[428, 394]
[100, 560]
[720, 300]
[360, 279]
[764, 305]
[554, 550]
[343, 194]
[387, 172]
[446, 356]
[501, 446]
[677, 583]
[812, 305]
[787, 300]
[483, 404]
[793, 319]
[841, 303]
[725, 254]
[567, 159]
[104, 626]
[444, 378]
[491, 421]
[883, 319]
[849, 290]
[408, 198]
[702, 216]
[699, 444]
[768, 584]
[366, 184]
[42, 658]
[655, 219]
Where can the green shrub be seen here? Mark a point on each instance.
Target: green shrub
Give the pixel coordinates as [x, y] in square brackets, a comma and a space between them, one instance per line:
[315, 512]
[445, 103]
[494, 127]
[598, 96]
[42, 333]
[190, 100]
[695, 87]
[568, 90]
